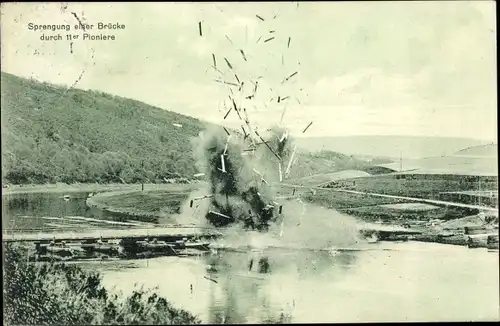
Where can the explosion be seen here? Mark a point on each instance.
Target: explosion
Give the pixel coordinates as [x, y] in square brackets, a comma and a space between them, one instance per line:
[241, 178]
[243, 167]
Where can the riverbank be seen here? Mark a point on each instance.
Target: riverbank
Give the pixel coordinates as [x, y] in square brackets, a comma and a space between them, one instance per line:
[82, 187]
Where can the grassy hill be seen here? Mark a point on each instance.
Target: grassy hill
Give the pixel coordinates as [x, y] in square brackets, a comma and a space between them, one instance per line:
[50, 134]
[53, 135]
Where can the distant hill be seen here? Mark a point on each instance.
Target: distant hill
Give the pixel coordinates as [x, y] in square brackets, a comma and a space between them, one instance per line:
[50, 134]
[320, 179]
[489, 150]
[321, 166]
[476, 160]
[389, 147]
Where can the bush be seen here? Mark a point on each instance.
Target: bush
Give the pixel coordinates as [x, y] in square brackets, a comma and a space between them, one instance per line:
[43, 294]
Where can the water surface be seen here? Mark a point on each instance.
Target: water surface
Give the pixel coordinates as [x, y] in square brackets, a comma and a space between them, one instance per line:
[383, 282]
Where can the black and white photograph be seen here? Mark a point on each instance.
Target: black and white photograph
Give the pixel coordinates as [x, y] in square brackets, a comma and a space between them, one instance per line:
[249, 162]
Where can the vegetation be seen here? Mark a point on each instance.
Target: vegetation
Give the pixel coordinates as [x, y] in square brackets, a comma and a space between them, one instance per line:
[52, 135]
[368, 207]
[145, 206]
[60, 294]
[423, 185]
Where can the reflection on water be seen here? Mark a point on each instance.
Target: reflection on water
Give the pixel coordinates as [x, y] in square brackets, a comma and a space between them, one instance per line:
[48, 211]
[408, 282]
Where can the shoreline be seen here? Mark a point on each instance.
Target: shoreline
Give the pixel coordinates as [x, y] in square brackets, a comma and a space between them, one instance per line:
[83, 187]
[87, 187]
[153, 215]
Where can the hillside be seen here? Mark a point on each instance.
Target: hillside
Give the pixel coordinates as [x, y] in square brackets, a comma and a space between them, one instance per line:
[88, 136]
[52, 135]
[389, 147]
[490, 150]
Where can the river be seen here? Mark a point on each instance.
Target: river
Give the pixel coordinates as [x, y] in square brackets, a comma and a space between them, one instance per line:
[34, 212]
[384, 281]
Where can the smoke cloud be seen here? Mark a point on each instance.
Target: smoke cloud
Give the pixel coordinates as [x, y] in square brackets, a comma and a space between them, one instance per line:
[241, 172]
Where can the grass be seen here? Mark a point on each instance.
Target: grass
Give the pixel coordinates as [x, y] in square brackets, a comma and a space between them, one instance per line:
[146, 206]
[423, 186]
[373, 213]
[370, 208]
[60, 294]
[152, 202]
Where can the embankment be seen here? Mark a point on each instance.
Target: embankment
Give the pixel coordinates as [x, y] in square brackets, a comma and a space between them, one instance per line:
[76, 187]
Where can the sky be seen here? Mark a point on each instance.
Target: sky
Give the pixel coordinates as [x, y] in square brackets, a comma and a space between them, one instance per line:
[363, 68]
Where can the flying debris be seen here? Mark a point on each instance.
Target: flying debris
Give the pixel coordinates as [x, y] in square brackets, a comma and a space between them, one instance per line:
[178, 125]
[223, 163]
[283, 113]
[219, 214]
[307, 126]
[199, 198]
[228, 64]
[227, 113]
[226, 82]
[215, 61]
[255, 88]
[237, 195]
[287, 78]
[198, 175]
[261, 178]
[267, 145]
[229, 40]
[285, 135]
[244, 132]
[227, 144]
[289, 39]
[287, 171]
[210, 279]
[199, 27]
[243, 54]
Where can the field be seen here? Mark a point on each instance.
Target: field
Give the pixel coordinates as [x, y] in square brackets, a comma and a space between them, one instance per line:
[423, 186]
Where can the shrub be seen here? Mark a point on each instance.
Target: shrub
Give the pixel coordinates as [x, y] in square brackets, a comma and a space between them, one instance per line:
[57, 293]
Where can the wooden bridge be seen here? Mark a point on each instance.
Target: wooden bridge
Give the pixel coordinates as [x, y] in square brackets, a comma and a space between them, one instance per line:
[161, 233]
